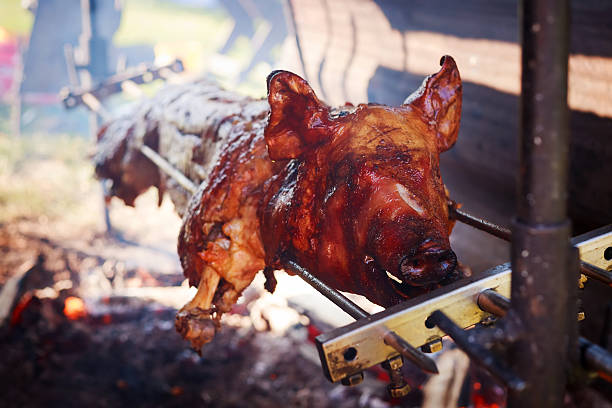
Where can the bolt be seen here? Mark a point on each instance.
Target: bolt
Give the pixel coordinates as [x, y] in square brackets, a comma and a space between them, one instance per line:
[398, 387]
[432, 347]
[489, 320]
[582, 281]
[398, 392]
[395, 363]
[353, 379]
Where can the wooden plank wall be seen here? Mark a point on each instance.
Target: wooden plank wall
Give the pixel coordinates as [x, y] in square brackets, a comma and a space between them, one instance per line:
[379, 51]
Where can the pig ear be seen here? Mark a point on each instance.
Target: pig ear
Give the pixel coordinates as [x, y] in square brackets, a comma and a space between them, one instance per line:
[439, 98]
[298, 121]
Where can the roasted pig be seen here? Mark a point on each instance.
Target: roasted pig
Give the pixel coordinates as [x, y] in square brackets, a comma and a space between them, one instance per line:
[354, 194]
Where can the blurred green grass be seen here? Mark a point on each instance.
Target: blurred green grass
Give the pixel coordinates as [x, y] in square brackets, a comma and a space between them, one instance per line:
[14, 18]
[46, 173]
[43, 175]
[153, 21]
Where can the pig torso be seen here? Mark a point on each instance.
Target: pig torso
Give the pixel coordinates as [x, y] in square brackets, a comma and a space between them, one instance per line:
[355, 196]
[352, 194]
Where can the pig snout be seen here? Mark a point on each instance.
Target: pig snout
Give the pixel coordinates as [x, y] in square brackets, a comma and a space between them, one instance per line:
[429, 265]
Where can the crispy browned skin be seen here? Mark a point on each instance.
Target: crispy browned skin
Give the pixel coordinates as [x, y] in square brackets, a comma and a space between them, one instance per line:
[352, 194]
[364, 196]
[219, 243]
[116, 159]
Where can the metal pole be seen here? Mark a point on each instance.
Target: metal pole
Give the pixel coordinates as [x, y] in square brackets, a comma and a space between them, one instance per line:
[593, 357]
[170, 170]
[479, 354]
[391, 338]
[479, 223]
[504, 233]
[543, 282]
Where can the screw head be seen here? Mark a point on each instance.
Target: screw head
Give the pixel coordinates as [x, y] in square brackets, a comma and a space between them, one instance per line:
[353, 379]
[432, 346]
[582, 281]
[396, 362]
[399, 392]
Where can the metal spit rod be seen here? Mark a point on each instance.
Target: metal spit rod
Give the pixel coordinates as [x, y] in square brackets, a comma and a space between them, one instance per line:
[593, 356]
[477, 352]
[391, 338]
[479, 223]
[169, 169]
[504, 233]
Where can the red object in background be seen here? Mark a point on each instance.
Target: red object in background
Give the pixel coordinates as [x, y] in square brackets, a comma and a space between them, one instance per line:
[8, 61]
[313, 332]
[19, 308]
[74, 308]
[486, 392]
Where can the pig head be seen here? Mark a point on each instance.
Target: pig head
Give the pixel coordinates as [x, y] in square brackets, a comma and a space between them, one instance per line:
[361, 203]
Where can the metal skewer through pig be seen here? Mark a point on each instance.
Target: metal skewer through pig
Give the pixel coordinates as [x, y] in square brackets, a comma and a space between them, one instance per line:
[353, 194]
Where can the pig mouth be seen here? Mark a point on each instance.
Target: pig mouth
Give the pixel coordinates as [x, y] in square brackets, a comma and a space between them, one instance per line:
[424, 272]
[406, 290]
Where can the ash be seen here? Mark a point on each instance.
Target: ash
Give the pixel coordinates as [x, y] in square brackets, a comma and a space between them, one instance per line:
[124, 351]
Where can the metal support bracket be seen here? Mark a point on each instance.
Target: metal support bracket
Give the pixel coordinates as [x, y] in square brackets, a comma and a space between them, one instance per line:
[458, 301]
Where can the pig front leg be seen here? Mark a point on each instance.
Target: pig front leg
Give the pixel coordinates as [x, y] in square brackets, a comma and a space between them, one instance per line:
[231, 263]
[197, 320]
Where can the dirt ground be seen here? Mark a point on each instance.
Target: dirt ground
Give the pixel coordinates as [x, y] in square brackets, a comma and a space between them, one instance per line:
[121, 348]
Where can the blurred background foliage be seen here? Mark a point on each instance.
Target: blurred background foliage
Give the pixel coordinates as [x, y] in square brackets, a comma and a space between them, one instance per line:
[44, 148]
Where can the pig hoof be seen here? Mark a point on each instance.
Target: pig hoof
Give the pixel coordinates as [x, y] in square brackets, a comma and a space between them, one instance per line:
[197, 325]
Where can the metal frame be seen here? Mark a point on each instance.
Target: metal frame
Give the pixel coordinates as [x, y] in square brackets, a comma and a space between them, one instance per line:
[543, 308]
[466, 303]
[538, 328]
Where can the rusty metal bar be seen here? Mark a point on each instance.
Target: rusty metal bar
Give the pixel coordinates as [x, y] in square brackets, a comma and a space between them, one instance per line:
[169, 169]
[336, 297]
[544, 144]
[493, 302]
[543, 283]
[593, 357]
[405, 349]
[391, 338]
[504, 233]
[469, 343]
[479, 223]
[596, 273]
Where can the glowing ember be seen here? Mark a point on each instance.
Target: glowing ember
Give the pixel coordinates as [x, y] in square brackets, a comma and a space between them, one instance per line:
[74, 308]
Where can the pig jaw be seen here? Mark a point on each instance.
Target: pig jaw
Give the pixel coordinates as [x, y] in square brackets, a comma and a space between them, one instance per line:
[411, 253]
[433, 262]
[403, 225]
